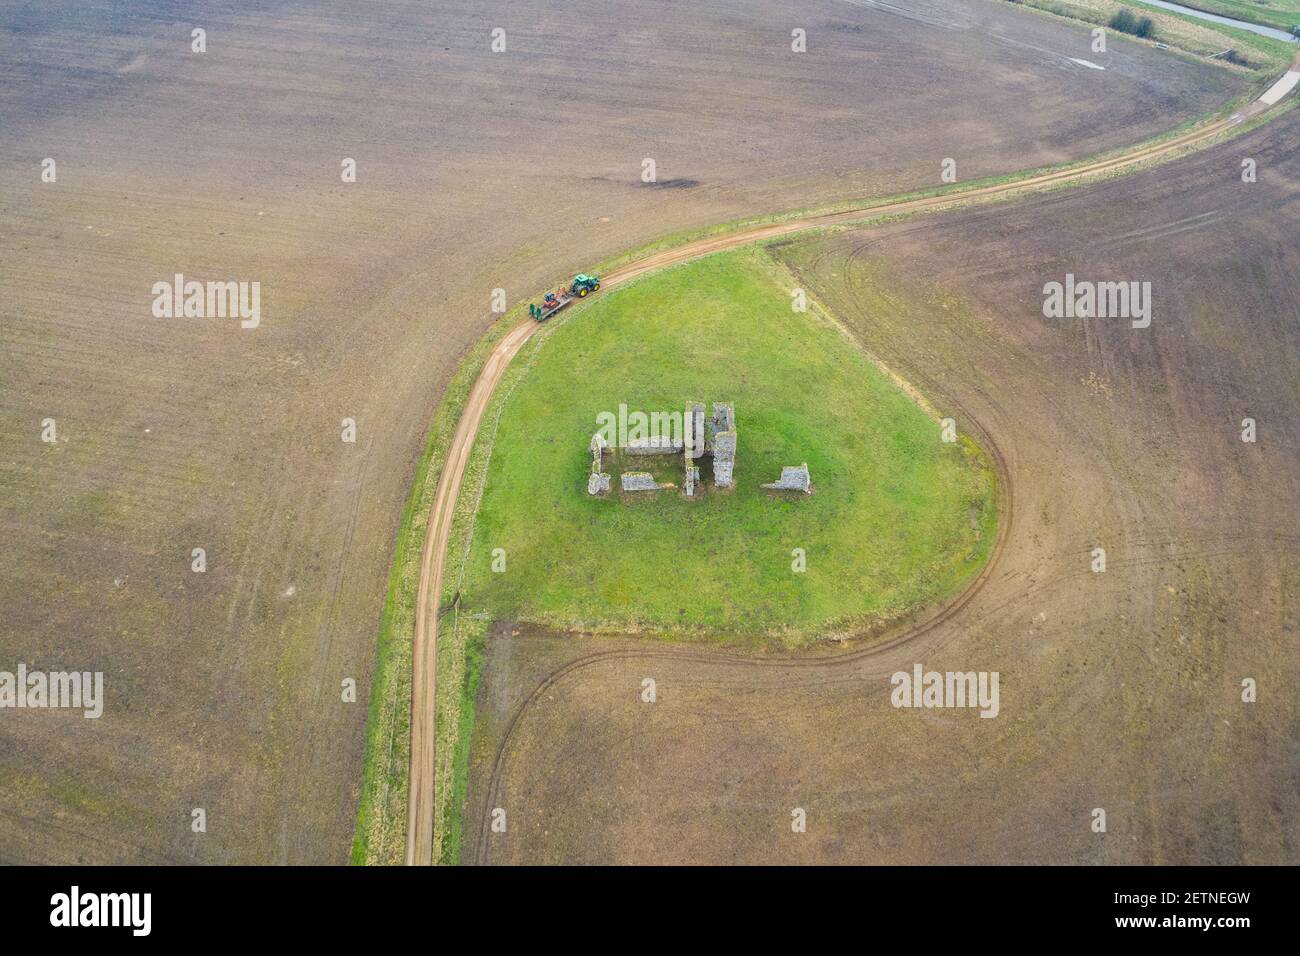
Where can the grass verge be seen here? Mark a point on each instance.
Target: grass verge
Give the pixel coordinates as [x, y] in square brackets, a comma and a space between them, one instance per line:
[380, 834]
[1279, 14]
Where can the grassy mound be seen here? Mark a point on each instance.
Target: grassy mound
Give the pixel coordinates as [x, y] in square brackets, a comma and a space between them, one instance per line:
[898, 519]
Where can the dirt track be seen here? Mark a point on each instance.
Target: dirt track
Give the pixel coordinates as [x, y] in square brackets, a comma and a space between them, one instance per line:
[421, 804]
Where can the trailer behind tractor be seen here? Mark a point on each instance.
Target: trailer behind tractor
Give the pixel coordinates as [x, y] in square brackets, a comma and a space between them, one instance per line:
[557, 299]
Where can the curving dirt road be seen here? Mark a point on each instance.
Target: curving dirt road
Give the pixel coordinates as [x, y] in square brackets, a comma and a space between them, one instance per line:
[420, 818]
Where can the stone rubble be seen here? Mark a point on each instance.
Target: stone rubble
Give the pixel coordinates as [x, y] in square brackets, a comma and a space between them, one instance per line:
[640, 481]
[792, 479]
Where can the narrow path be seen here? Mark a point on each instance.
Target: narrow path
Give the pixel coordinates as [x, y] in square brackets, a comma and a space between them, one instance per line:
[421, 797]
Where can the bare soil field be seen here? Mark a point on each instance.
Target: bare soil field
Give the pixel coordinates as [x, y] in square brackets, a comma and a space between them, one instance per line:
[1120, 690]
[474, 171]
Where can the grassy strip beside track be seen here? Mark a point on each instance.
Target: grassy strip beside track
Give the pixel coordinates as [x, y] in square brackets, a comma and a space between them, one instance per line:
[380, 832]
[1279, 14]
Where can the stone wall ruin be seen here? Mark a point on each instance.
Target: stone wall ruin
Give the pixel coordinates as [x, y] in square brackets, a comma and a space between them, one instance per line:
[713, 436]
[792, 479]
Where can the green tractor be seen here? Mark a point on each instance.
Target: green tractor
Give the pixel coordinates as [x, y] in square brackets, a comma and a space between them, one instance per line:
[582, 284]
[554, 301]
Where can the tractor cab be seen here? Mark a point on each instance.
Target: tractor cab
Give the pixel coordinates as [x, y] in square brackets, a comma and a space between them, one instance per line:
[582, 284]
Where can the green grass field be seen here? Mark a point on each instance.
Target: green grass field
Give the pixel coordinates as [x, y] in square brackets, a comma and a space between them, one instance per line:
[898, 520]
